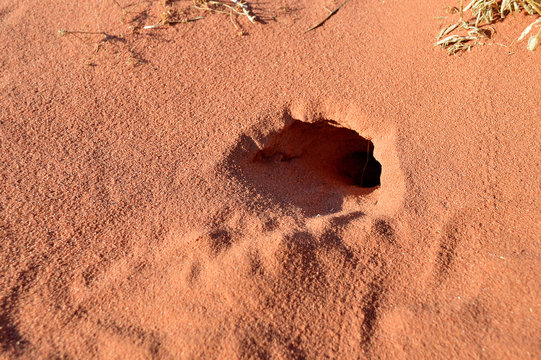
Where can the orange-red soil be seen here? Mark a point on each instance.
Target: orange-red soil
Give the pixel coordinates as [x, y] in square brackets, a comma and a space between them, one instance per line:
[185, 192]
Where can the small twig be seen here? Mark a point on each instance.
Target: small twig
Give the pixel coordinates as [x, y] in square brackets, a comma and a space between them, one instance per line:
[327, 17]
[166, 22]
[237, 27]
[209, 9]
[62, 32]
[118, 4]
[245, 11]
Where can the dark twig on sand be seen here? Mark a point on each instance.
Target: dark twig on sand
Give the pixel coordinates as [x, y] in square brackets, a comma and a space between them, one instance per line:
[331, 13]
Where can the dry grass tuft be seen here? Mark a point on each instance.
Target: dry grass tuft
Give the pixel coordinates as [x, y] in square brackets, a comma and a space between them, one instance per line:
[233, 8]
[456, 43]
[485, 13]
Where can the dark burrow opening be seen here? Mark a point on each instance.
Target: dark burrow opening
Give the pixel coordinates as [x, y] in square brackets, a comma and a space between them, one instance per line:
[324, 152]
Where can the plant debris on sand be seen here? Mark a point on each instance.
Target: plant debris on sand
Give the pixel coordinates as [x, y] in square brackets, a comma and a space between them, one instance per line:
[485, 13]
[233, 8]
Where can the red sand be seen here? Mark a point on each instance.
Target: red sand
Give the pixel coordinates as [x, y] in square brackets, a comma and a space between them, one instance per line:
[135, 222]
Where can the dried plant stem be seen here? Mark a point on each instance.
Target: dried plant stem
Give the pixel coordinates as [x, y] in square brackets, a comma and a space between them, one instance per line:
[331, 13]
[62, 32]
[167, 19]
[245, 10]
[233, 21]
[118, 4]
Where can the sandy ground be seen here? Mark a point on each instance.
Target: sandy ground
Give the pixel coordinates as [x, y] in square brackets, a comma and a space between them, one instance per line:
[183, 193]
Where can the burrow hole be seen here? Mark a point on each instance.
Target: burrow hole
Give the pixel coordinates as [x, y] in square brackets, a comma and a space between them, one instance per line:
[326, 150]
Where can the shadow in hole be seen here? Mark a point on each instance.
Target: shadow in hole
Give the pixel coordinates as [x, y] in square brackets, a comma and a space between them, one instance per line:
[312, 166]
